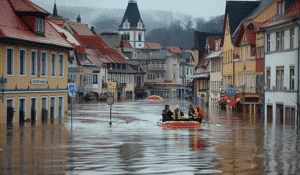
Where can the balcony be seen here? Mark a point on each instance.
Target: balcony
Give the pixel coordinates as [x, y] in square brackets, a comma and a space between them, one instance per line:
[160, 67]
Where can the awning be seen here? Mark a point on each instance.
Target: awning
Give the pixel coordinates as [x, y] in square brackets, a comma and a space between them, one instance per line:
[214, 55]
[201, 76]
[223, 99]
[233, 102]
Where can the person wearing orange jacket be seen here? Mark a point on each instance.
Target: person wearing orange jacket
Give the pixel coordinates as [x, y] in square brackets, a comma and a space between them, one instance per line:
[198, 114]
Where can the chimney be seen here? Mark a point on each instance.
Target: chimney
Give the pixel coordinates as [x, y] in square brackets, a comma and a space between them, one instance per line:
[78, 19]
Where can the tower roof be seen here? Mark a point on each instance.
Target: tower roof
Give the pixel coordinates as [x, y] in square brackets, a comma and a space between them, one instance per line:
[132, 15]
[54, 14]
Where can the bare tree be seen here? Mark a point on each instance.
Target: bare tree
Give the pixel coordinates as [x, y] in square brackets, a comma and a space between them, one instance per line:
[200, 23]
[188, 23]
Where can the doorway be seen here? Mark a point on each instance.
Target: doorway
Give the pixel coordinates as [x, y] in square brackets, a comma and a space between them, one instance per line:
[33, 110]
[269, 114]
[44, 110]
[9, 112]
[279, 114]
[22, 108]
[52, 109]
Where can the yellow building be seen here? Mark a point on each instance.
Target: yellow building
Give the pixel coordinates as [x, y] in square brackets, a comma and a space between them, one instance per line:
[34, 59]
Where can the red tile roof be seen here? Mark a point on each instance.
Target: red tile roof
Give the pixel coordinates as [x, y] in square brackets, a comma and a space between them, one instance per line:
[94, 57]
[58, 21]
[126, 45]
[250, 33]
[26, 6]
[276, 20]
[152, 45]
[211, 41]
[96, 42]
[12, 26]
[79, 28]
[174, 49]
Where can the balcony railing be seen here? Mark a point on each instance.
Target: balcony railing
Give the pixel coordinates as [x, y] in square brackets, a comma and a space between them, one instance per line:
[157, 67]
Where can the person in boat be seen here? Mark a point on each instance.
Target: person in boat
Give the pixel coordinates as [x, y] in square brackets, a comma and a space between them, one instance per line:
[191, 112]
[178, 114]
[198, 114]
[167, 114]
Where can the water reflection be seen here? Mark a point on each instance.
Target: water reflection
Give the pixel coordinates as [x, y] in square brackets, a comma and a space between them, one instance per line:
[227, 143]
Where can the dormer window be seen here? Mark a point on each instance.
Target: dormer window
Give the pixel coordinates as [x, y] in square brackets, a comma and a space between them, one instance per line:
[39, 25]
[126, 24]
[139, 25]
[281, 7]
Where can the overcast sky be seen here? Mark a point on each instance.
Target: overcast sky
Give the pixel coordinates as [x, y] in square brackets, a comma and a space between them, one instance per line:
[196, 8]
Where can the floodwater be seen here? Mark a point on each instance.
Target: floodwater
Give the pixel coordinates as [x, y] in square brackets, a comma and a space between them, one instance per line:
[227, 143]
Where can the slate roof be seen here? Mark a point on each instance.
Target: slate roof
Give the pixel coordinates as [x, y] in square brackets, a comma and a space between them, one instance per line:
[132, 13]
[162, 54]
[79, 28]
[237, 11]
[152, 45]
[96, 42]
[174, 49]
[11, 26]
[113, 40]
[200, 39]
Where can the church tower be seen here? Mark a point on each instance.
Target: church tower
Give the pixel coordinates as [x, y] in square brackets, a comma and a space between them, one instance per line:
[132, 27]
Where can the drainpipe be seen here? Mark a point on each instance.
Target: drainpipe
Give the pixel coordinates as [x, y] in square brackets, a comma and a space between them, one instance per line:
[295, 22]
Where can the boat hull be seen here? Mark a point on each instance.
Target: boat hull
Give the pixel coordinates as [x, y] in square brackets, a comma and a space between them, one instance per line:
[179, 123]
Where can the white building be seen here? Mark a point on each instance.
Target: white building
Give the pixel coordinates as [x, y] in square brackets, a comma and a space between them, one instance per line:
[281, 68]
[215, 84]
[132, 27]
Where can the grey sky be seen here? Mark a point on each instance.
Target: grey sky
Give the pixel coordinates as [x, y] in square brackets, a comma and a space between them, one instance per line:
[196, 8]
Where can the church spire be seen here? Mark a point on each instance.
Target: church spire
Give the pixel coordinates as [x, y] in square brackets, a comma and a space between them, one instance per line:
[78, 19]
[54, 14]
[132, 18]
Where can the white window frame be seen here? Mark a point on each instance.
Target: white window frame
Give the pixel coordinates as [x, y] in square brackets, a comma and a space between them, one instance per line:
[24, 62]
[21, 98]
[41, 25]
[53, 53]
[54, 107]
[34, 97]
[37, 24]
[35, 75]
[63, 63]
[62, 111]
[45, 52]
[13, 105]
[12, 61]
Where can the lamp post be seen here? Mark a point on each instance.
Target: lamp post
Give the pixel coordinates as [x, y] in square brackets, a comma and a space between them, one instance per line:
[3, 82]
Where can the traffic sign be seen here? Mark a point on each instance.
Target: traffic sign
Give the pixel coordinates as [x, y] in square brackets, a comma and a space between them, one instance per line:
[110, 100]
[231, 90]
[71, 87]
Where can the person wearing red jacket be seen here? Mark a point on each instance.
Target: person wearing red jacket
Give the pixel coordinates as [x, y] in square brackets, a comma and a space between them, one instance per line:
[198, 114]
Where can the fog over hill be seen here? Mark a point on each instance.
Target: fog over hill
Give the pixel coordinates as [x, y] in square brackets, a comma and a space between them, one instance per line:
[164, 27]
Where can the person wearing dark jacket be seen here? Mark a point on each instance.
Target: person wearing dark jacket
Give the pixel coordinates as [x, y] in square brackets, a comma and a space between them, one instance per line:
[167, 114]
[191, 112]
[199, 114]
[177, 113]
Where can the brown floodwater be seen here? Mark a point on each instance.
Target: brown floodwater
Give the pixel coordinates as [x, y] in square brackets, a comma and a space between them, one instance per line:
[226, 143]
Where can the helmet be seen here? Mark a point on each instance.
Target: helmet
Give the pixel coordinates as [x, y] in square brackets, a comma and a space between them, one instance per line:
[197, 107]
[177, 107]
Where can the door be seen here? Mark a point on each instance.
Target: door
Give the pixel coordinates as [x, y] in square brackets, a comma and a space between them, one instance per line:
[21, 111]
[52, 109]
[279, 114]
[44, 110]
[9, 112]
[60, 107]
[269, 114]
[33, 110]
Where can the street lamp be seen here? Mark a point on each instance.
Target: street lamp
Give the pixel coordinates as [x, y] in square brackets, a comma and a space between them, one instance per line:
[3, 82]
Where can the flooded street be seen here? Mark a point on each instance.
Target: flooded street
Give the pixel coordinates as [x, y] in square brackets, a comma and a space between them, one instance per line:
[227, 143]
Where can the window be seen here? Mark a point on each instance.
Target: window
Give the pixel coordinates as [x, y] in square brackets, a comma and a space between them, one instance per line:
[33, 109]
[282, 40]
[22, 61]
[268, 78]
[278, 41]
[281, 8]
[9, 61]
[53, 64]
[279, 78]
[95, 79]
[292, 38]
[44, 64]
[292, 78]
[128, 37]
[61, 65]
[238, 81]
[268, 43]
[248, 80]
[140, 37]
[243, 80]
[37, 24]
[52, 108]
[33, 63]
[41, 25]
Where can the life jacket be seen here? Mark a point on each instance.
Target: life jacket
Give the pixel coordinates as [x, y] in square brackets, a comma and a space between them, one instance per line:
[198, 114]
[177, 114]
[191, 115]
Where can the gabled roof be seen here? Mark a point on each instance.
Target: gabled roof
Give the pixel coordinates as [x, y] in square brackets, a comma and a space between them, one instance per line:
[211, 41]
[174, 49]
[12, 27]
[132, 13]
[237, 11]
[96, 42]
[68, 36]
[200, 39]
[94, 57]
[79, 28]
[152, 45]
[248, 31]
[27, 6]
[58, 21]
